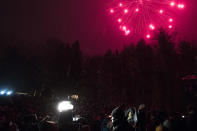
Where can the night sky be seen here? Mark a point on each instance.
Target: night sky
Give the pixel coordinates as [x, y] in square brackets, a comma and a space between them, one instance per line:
[69, 20]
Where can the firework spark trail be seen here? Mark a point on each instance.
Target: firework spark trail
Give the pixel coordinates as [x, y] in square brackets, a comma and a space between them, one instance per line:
[141, 17]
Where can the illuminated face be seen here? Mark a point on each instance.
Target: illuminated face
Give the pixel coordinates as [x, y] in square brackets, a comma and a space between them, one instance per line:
[130, 116]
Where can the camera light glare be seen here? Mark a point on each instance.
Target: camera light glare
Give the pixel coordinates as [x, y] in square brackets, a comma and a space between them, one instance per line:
[65, 106]
[2, 92]
[9, 93]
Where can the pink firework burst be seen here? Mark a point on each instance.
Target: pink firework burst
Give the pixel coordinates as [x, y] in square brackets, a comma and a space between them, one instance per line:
[139, 17]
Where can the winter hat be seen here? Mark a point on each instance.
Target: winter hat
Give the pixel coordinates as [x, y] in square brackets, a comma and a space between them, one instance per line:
[118, 113]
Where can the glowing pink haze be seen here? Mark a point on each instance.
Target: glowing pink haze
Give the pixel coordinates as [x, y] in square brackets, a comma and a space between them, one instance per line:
[91, 22]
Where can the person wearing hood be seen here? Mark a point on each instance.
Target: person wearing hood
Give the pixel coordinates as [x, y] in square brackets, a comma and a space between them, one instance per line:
[131, 116]
[119, 121]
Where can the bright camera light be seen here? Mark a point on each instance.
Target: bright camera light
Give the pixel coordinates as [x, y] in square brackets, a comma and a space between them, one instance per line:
[65, 106]
[6, 92]
[76, 118]
[2, 92]
[9, 93]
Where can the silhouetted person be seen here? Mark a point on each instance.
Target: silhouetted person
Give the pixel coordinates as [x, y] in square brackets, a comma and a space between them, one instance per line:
[119, 121]
[141, 123]
[65, 121]
[192, 119]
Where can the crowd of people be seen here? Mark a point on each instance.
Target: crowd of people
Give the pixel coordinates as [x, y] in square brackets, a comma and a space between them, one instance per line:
[162, 71]
[144, 120]
[23, 113]
[27, 113]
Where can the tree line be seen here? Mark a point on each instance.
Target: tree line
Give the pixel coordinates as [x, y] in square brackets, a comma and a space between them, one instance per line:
[149, 73]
